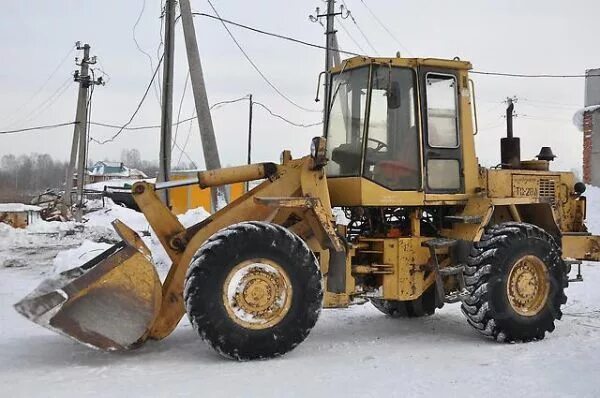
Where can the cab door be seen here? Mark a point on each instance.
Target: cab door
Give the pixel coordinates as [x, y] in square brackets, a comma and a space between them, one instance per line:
[442, 150]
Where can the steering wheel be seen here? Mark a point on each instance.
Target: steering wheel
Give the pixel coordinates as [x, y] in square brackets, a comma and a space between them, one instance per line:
[380, 144]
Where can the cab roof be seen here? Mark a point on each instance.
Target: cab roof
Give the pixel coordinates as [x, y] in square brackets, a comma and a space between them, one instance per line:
[359, 61]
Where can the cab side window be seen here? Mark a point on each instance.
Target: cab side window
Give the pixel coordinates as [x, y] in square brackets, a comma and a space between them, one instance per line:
[442, 113]
[443, 165]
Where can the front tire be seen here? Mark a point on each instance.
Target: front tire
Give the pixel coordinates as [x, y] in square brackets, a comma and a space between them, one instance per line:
[253, 291]
[516, 279]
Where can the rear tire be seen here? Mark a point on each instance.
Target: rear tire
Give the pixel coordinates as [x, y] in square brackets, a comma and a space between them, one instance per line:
[253, 291]
[516, 277]
[422, 306]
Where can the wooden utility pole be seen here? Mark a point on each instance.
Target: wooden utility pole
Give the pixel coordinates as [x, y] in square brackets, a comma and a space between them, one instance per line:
[166, 117]
[205, 124]
[80, 138]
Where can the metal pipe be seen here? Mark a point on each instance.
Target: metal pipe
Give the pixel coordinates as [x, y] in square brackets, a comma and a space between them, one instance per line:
[232, 175]
[509, 118]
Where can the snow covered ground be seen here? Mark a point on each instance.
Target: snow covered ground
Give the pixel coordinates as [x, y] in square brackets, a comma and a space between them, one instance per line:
[354, 352]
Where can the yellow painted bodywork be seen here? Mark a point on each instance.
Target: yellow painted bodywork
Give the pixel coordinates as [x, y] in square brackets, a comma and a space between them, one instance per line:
[298, 194]
[409, 262]
[581, 247]
[402, 265]
[293, 179]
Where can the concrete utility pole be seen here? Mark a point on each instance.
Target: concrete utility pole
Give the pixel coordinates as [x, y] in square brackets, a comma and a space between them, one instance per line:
[166, 117]
[330, 44]
[332, 55]
[207, 133]
[80, 139]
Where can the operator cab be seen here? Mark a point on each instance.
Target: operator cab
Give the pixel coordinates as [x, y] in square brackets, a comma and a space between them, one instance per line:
[396, 123]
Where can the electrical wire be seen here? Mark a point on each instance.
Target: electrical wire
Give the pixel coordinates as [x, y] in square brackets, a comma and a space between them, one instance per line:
[187, 138]
[46, 127]
[102, 72]
[51, 100]
[350, 36]
[277, 35]
[185, 85]
[39, 90]
[87, 122]
[362, 33]
[183, 152]
[262, 75]
[256, 30]
[157, 126]
[122, 128]
[140, 49]
[523, 75]
[389, 32]
[283, 118]
[161, 44]
[219, 104]
[174, 142]
[549, 104]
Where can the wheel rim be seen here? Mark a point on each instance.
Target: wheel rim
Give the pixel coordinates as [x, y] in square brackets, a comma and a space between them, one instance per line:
[528, 286]
[257, 294]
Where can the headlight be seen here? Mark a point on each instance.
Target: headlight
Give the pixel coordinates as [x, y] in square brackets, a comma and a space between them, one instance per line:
[318, 151]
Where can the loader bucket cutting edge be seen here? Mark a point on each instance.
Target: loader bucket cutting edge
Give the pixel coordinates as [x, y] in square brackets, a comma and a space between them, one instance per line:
[109, 303]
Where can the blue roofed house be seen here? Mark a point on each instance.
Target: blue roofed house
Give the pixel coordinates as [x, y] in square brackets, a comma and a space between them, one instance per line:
[105, 170]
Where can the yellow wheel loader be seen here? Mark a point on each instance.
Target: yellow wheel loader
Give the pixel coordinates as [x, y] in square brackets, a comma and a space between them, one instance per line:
[390, 207]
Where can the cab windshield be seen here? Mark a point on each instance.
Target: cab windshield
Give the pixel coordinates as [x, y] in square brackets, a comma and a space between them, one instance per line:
[388, 151]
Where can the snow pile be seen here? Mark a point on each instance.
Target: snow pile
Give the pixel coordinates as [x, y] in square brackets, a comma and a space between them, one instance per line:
[578, 116]
[66, 260]
[105, 216]
[102, 219]
[17, 207]
[99, 186]
[193, 216]
[39, 243]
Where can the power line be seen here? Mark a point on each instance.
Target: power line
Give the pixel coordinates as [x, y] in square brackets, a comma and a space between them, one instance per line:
[46, 127]
[137, 108]
[157, 126]
[523, 75]
[285, 119]
[218, 104]
[89, 118]
[277, 35]
[39, 90]
[140, 49]
[288, 38]
[350, 36]
[277, 90]
[161, 43]
[185, 85]
[187, 138]
[389, 32]
[102, 72]
[362, 33]
[46, 104]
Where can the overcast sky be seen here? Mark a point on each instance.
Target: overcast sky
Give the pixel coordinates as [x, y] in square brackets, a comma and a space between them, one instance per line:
[534, 36]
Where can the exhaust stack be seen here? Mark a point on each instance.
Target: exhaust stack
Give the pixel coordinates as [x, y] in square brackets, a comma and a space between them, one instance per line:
[510, 146]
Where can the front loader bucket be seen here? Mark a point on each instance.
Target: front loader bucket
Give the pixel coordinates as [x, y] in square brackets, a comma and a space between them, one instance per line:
[108, 303]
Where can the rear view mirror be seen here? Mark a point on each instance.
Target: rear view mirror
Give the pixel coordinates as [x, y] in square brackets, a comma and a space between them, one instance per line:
[393, 96]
